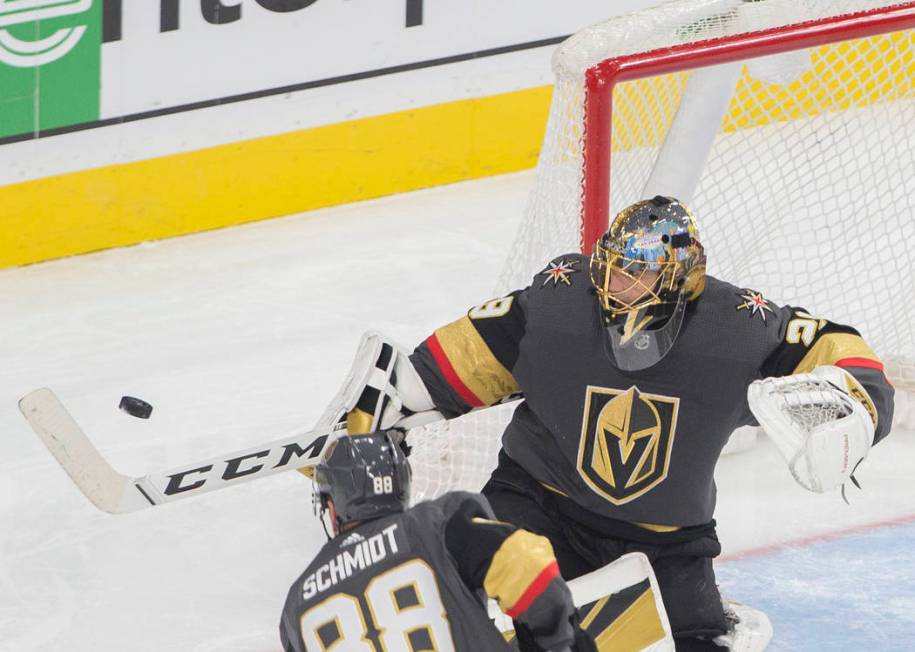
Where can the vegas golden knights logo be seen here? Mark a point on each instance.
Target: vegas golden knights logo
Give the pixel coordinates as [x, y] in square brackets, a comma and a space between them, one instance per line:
[626, 439]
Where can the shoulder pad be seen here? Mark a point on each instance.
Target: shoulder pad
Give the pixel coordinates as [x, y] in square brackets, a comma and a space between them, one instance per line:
[744, 304]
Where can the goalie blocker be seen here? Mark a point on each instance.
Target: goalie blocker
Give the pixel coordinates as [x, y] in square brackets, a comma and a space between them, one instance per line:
[382, 390]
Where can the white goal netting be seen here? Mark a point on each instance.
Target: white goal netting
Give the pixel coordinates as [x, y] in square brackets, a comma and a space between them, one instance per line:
[804, 189]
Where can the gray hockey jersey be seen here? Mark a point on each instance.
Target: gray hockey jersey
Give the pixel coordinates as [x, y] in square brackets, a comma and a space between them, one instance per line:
[418, 581]
[638, 446]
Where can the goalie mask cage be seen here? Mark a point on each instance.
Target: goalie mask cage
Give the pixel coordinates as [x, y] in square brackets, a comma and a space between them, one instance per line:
[788, 126]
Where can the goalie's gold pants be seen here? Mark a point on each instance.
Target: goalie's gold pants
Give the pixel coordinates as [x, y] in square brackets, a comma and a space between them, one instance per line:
[583, 542]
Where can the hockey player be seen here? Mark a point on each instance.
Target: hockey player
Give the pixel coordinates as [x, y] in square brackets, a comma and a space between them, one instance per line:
[397, 579]
[635, 367]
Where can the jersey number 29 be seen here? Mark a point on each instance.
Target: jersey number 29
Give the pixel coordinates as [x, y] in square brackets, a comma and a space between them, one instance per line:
[404, 603]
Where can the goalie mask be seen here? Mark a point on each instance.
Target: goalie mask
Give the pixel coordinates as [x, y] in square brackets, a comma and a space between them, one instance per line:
[366, 477]
[645, 269]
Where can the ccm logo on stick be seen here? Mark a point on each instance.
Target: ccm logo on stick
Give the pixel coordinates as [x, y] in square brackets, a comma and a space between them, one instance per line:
[238, 467]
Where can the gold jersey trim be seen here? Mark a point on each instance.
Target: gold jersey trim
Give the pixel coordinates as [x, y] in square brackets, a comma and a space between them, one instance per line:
[517, 563]
[832, 347]
[647, 526]
[555, 490]
[835, 347]
[474, 363]
[658, 528]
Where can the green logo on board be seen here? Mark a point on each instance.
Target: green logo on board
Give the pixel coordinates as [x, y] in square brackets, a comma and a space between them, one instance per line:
[50, 64]
[28, 53]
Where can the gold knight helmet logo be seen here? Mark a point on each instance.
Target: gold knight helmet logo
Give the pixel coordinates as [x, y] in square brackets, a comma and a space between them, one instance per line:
[626, 440]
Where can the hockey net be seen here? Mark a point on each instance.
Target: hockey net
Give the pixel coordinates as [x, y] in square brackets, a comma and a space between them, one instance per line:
[787, 125]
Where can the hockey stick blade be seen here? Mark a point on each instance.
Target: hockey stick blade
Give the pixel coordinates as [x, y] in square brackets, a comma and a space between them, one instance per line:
[91, 472]
[116, 493]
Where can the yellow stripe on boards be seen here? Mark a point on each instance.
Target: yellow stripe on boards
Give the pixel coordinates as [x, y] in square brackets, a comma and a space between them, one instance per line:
[280, 175]
[272, 176]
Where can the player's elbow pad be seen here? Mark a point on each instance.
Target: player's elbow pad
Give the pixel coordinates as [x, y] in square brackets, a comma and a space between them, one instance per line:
[818, 421]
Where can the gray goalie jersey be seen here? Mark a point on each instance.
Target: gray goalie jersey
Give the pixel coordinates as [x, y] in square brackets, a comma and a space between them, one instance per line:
[639, 447]
[418, 580]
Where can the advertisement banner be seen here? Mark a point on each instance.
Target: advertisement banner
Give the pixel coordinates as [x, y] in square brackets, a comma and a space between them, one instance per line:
[123, 121]
[69, 65]
[50, 52]
[166, 54]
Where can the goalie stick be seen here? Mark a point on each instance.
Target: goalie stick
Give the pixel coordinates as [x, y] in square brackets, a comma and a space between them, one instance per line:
[116, 493]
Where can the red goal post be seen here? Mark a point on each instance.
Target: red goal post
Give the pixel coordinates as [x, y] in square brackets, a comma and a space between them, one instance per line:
[788, 126]
[602, 78]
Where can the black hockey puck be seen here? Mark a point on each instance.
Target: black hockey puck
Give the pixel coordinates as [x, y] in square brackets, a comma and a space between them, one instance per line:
[135, 407]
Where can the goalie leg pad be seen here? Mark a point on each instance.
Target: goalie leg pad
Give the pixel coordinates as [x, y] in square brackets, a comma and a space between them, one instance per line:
[620, 607]
[630, 618]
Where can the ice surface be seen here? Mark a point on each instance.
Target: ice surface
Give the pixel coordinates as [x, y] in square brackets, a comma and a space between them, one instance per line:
[235, 336]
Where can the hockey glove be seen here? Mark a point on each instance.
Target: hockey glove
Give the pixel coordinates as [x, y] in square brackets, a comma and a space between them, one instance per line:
[383, 390]
[528, 641]
[821, 423]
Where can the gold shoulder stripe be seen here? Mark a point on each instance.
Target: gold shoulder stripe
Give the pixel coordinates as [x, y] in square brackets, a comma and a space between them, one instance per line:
[832, 347]
[835, 347]
[517, 564]
[474, 363]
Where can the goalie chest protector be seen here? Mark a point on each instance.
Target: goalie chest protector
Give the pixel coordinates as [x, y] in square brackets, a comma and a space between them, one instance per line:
[634, 446]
